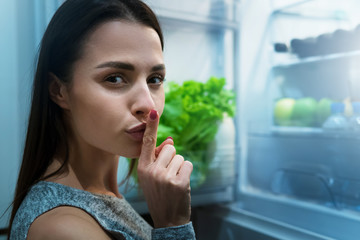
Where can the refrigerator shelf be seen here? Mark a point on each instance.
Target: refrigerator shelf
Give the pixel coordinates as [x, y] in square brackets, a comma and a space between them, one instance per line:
[293, 61]
[305, 132]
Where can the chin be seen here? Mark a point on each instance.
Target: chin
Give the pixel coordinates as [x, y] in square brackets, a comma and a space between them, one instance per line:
[131, 154]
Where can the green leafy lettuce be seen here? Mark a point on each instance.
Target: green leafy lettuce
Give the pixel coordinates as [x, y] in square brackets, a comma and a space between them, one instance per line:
[191, 116]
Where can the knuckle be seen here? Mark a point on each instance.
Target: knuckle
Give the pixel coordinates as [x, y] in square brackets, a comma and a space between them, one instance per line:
[179, 157]
[169, 180]
[189, 165]
[178, 162]
[149, 140]
[175, 183]
[185, 186]
[169, 148]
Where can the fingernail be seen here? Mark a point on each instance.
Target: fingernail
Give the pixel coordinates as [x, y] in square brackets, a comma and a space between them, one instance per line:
[169, 137]
[153, 114]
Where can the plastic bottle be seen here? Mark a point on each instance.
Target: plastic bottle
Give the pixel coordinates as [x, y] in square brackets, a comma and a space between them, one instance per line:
[354, 121]
[337, 120]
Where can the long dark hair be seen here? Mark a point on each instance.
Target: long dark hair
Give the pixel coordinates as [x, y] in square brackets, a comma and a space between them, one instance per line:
[61, 46]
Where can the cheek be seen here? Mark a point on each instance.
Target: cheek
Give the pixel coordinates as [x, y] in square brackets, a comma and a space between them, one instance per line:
[86, 110]
[85, 118]
[86, 106]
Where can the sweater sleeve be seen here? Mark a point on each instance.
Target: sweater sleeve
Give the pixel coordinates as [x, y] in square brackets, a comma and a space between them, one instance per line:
[182, 232]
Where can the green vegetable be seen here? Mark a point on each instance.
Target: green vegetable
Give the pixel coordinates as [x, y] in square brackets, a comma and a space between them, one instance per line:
[191, 116]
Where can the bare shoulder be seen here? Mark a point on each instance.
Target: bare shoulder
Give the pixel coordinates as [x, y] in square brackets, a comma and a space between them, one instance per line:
[66, 223]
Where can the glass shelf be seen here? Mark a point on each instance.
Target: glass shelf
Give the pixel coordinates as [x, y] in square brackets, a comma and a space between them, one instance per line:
[305, 132]
[294, 61]
[298, 131]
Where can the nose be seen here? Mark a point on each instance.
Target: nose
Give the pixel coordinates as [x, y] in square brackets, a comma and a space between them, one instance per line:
[143, 101]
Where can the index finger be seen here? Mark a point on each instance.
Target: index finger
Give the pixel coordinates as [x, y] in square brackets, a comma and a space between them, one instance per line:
[147, 154]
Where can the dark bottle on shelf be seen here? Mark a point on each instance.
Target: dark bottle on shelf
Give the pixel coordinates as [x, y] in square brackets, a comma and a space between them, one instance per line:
[281, 48]
[304, 47]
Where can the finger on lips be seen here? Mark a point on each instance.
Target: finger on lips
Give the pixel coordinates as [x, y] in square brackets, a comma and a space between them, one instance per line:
[164, 155]
[147, 154]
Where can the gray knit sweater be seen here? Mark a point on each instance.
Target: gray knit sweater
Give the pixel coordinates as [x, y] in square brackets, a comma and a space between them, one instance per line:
[115, 215]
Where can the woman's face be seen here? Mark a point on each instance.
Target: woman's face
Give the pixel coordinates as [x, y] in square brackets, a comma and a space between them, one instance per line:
[115, 84]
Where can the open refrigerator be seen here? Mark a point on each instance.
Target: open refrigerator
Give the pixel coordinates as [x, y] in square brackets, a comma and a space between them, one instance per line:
[298, 162]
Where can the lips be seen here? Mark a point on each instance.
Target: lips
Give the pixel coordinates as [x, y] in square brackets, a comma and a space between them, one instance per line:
[137, 132]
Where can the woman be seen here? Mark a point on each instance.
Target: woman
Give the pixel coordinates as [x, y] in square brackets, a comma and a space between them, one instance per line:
[97, 95]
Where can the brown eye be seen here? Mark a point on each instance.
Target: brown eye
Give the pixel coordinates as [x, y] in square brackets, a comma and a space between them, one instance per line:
[156, 80]
[115, 79]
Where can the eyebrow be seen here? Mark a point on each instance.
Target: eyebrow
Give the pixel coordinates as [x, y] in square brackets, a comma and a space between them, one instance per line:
[128, 66]
[158, 67]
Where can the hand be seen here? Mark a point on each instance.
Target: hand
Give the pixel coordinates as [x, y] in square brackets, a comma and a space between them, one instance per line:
[164, 178]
